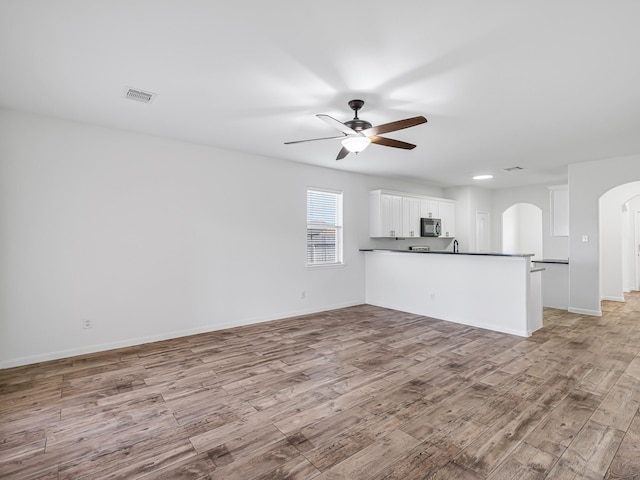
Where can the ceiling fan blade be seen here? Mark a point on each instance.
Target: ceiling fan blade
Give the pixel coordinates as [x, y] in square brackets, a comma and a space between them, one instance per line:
[390, 142]
[314, 139]
[393, 126]
[343, 153]
[337, 124]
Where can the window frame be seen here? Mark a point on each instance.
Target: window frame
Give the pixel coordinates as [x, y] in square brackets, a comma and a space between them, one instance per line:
[338, 226]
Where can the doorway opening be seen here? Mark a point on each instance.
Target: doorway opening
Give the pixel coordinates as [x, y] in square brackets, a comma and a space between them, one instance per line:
[522, 230]
[619, 241]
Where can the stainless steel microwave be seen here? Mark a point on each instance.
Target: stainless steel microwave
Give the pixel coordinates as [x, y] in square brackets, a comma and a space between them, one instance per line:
[430, 227]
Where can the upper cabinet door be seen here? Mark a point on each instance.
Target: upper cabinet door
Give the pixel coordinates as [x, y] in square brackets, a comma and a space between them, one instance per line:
[448, 217]
[392, 208]
[559, 202]
[429, 208]
[410, 217]
[385, 211]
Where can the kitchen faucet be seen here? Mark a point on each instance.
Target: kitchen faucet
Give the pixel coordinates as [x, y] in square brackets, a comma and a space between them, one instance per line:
[455, 246]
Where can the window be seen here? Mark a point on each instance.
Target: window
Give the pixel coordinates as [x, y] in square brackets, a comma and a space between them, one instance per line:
[324, 227]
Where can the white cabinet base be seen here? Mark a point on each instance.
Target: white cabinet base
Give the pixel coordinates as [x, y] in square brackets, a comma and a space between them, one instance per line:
[486, 291]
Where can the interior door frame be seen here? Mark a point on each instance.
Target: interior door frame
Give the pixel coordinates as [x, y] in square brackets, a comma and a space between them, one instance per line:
[636, 245]
[479, 219]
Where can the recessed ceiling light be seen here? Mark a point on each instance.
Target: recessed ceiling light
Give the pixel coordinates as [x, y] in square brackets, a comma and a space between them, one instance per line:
[482, 177]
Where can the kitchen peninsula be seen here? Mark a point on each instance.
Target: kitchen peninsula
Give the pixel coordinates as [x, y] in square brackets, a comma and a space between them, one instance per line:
[555, 282]
[494, 291]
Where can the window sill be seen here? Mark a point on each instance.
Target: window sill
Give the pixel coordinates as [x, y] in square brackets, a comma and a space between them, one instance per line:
[321, 266]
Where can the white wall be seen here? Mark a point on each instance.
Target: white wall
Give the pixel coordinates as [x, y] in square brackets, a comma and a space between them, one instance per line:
[481, 201]
[588, 181]
[626, 259]
[462, 196]
[538, 195]
[628, 227]
[510, 230]
[151, 238]
[630, 246]
[522, 230]
[469, 200]
[530, 230]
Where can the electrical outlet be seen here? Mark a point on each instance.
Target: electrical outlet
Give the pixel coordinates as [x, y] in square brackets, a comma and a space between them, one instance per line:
[303, 295]
[87, 324]
[432, 296]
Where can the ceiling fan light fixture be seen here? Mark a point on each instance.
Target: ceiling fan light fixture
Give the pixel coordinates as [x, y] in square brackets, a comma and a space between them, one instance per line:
[356, 143]
[357, 134]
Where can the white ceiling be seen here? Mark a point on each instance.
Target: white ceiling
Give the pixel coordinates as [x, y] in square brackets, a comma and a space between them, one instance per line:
[536, 84]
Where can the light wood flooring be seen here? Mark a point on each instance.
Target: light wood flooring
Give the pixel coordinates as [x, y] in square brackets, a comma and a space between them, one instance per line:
[356, 393]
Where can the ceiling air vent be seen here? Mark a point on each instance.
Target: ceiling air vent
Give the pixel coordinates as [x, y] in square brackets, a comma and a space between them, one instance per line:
[512, 169]
[139, 95]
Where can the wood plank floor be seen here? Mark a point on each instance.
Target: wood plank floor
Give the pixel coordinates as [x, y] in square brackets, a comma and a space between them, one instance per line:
[357, 393]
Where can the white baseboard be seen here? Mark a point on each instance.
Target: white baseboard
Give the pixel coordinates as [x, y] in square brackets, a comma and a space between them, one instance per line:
[468, 322]
[130, 342]
[582, 311]
[613, 299]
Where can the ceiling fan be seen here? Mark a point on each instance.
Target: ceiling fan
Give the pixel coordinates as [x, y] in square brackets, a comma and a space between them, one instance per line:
[357, 134]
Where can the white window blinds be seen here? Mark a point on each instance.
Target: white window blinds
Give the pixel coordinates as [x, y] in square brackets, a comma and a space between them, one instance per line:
[324, 227]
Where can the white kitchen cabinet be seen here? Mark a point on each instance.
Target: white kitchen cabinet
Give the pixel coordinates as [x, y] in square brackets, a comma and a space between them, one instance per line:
[559, 202]
[429, 208]
[410, 217]
[397, 215]
[447, 212]
[385, 214]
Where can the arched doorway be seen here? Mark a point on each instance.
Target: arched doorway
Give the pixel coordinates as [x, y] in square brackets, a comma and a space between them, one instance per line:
[522, 230]
[619, 233]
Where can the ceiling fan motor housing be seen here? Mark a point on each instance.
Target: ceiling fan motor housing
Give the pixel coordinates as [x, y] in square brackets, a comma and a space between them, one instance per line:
[357, 124]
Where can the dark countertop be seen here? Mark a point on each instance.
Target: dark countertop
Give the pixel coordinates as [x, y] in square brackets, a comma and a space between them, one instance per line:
[551, 260]
[447, 252]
